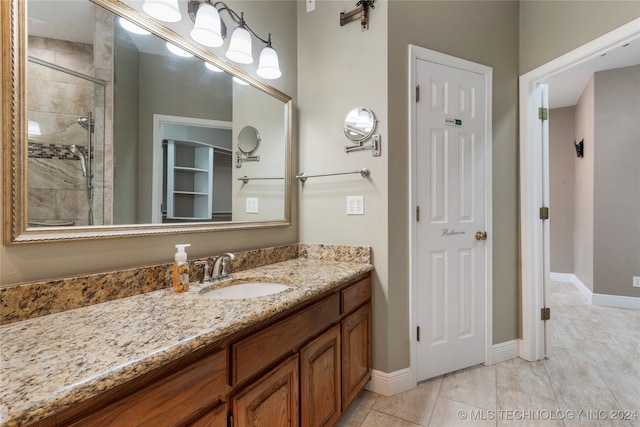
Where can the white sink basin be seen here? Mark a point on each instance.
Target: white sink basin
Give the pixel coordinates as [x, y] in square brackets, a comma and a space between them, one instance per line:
[246, 290]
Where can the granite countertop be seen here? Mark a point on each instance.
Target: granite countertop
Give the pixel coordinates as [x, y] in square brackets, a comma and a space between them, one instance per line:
[52, 362]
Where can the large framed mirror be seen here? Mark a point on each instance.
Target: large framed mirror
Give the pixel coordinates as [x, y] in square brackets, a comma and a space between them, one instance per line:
[107, 133]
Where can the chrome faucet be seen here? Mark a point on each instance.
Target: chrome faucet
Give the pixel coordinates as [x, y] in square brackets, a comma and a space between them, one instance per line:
[220, 266]
[206, 277]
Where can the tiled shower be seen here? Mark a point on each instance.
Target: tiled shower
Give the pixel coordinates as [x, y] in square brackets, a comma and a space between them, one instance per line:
[65, 82]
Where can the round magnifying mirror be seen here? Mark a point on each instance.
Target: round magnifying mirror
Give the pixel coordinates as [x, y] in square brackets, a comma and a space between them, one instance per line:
[359, 124]
[248, 139]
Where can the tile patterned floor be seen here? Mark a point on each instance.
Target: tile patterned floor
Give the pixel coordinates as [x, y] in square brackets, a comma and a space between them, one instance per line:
[591, 377]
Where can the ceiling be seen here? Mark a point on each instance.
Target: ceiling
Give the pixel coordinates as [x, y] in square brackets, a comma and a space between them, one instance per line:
[566, 87]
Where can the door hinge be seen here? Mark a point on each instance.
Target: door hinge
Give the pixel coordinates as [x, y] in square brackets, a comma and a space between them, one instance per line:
[545, 313]
[418, 333]
[230, 421]
[543, 113]
[544, 213]
[417, 93]
[417, 213]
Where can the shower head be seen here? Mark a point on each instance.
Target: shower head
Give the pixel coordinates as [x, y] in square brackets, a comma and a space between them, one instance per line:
[83, 162]
[84, 122]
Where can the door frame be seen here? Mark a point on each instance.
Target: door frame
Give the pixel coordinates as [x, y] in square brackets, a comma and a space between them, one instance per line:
[533, 247]
[415, 53]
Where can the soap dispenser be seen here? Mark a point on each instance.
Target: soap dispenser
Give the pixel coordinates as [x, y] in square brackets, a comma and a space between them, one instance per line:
[181, 270]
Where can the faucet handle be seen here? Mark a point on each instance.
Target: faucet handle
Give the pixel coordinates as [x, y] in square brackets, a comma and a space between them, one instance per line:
[206, 278]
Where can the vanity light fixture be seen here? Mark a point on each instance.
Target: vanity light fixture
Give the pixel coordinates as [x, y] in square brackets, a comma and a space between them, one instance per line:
[162, 10]
[212, 67]
[210, 30]
[33, 128]
[131, 27]
[178, 51]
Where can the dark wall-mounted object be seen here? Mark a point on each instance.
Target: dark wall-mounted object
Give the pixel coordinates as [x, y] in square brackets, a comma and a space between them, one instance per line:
[579, 148]
[359, 13]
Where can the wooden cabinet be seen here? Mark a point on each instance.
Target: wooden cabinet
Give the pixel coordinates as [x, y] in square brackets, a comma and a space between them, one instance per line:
[320, 380]
[356, 353]
[270, 401]
[215, 418]
[170, 400]
[303, 368]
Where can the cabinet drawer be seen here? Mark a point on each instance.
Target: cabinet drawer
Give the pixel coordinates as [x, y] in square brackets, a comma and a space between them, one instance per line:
[169, 401]
[355, 295]
[263, 348]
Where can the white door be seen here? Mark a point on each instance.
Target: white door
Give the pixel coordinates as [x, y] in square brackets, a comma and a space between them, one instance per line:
[451, 185]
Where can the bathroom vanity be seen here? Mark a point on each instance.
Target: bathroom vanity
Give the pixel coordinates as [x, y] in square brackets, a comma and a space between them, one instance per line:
[297, 357]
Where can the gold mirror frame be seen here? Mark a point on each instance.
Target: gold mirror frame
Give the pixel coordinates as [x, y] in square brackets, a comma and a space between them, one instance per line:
[14, 133]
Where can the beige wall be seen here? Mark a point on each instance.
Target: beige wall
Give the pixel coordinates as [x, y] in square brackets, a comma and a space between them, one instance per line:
[458, 28]
[562, 158]
[616, 254]
[583, 209]
[42, 261]
[551, 28]
[340, 68]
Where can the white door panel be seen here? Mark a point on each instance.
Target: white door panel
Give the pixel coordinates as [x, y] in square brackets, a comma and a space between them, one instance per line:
[450, 189]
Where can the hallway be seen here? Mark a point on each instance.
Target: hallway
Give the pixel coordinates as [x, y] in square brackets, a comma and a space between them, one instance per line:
[591, 378]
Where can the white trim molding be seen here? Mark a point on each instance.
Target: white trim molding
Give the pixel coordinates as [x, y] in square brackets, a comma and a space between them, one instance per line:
[388, 384]
[605, 300]
[505, 351]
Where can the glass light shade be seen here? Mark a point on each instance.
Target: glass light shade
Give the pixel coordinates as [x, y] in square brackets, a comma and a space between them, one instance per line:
[206, 29]
[178, 51]
[240, 81]
[268, 67]
[131, 27]
[240, 46]
[212, 67]
[33, 128]
[162, 10]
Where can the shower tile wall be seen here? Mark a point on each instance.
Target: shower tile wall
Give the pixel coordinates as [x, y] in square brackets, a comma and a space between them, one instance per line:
[57, 189]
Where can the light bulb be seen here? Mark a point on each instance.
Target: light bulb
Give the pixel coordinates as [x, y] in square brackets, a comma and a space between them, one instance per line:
[131, 27]
[206, 29]
[212, 67]
[268, 67]
[33, 128]
[162, 10]
[240, 46]
[178, 51]
[240, 81]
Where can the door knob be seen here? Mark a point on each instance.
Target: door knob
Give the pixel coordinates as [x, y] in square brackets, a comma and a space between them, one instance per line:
[481, 235]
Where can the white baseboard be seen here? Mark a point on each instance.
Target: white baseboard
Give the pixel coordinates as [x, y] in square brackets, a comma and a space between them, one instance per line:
[606, 300]
[505, 351]
[388, 384]
[617, 301]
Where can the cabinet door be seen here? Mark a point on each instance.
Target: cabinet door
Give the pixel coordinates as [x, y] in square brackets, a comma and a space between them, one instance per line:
[272, 400]
[320, 380]
[356, 353]
[214, 418]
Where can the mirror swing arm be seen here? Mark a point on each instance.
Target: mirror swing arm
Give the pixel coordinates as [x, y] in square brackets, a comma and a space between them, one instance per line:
[359, 125]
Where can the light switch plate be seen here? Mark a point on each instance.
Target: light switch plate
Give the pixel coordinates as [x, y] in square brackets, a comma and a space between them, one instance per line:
[355, 205]
[252, 205]
[636, 281]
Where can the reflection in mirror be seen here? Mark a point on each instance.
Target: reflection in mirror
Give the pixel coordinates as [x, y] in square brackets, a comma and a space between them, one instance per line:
[248, 139]
[97, 153]
[359, 124]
